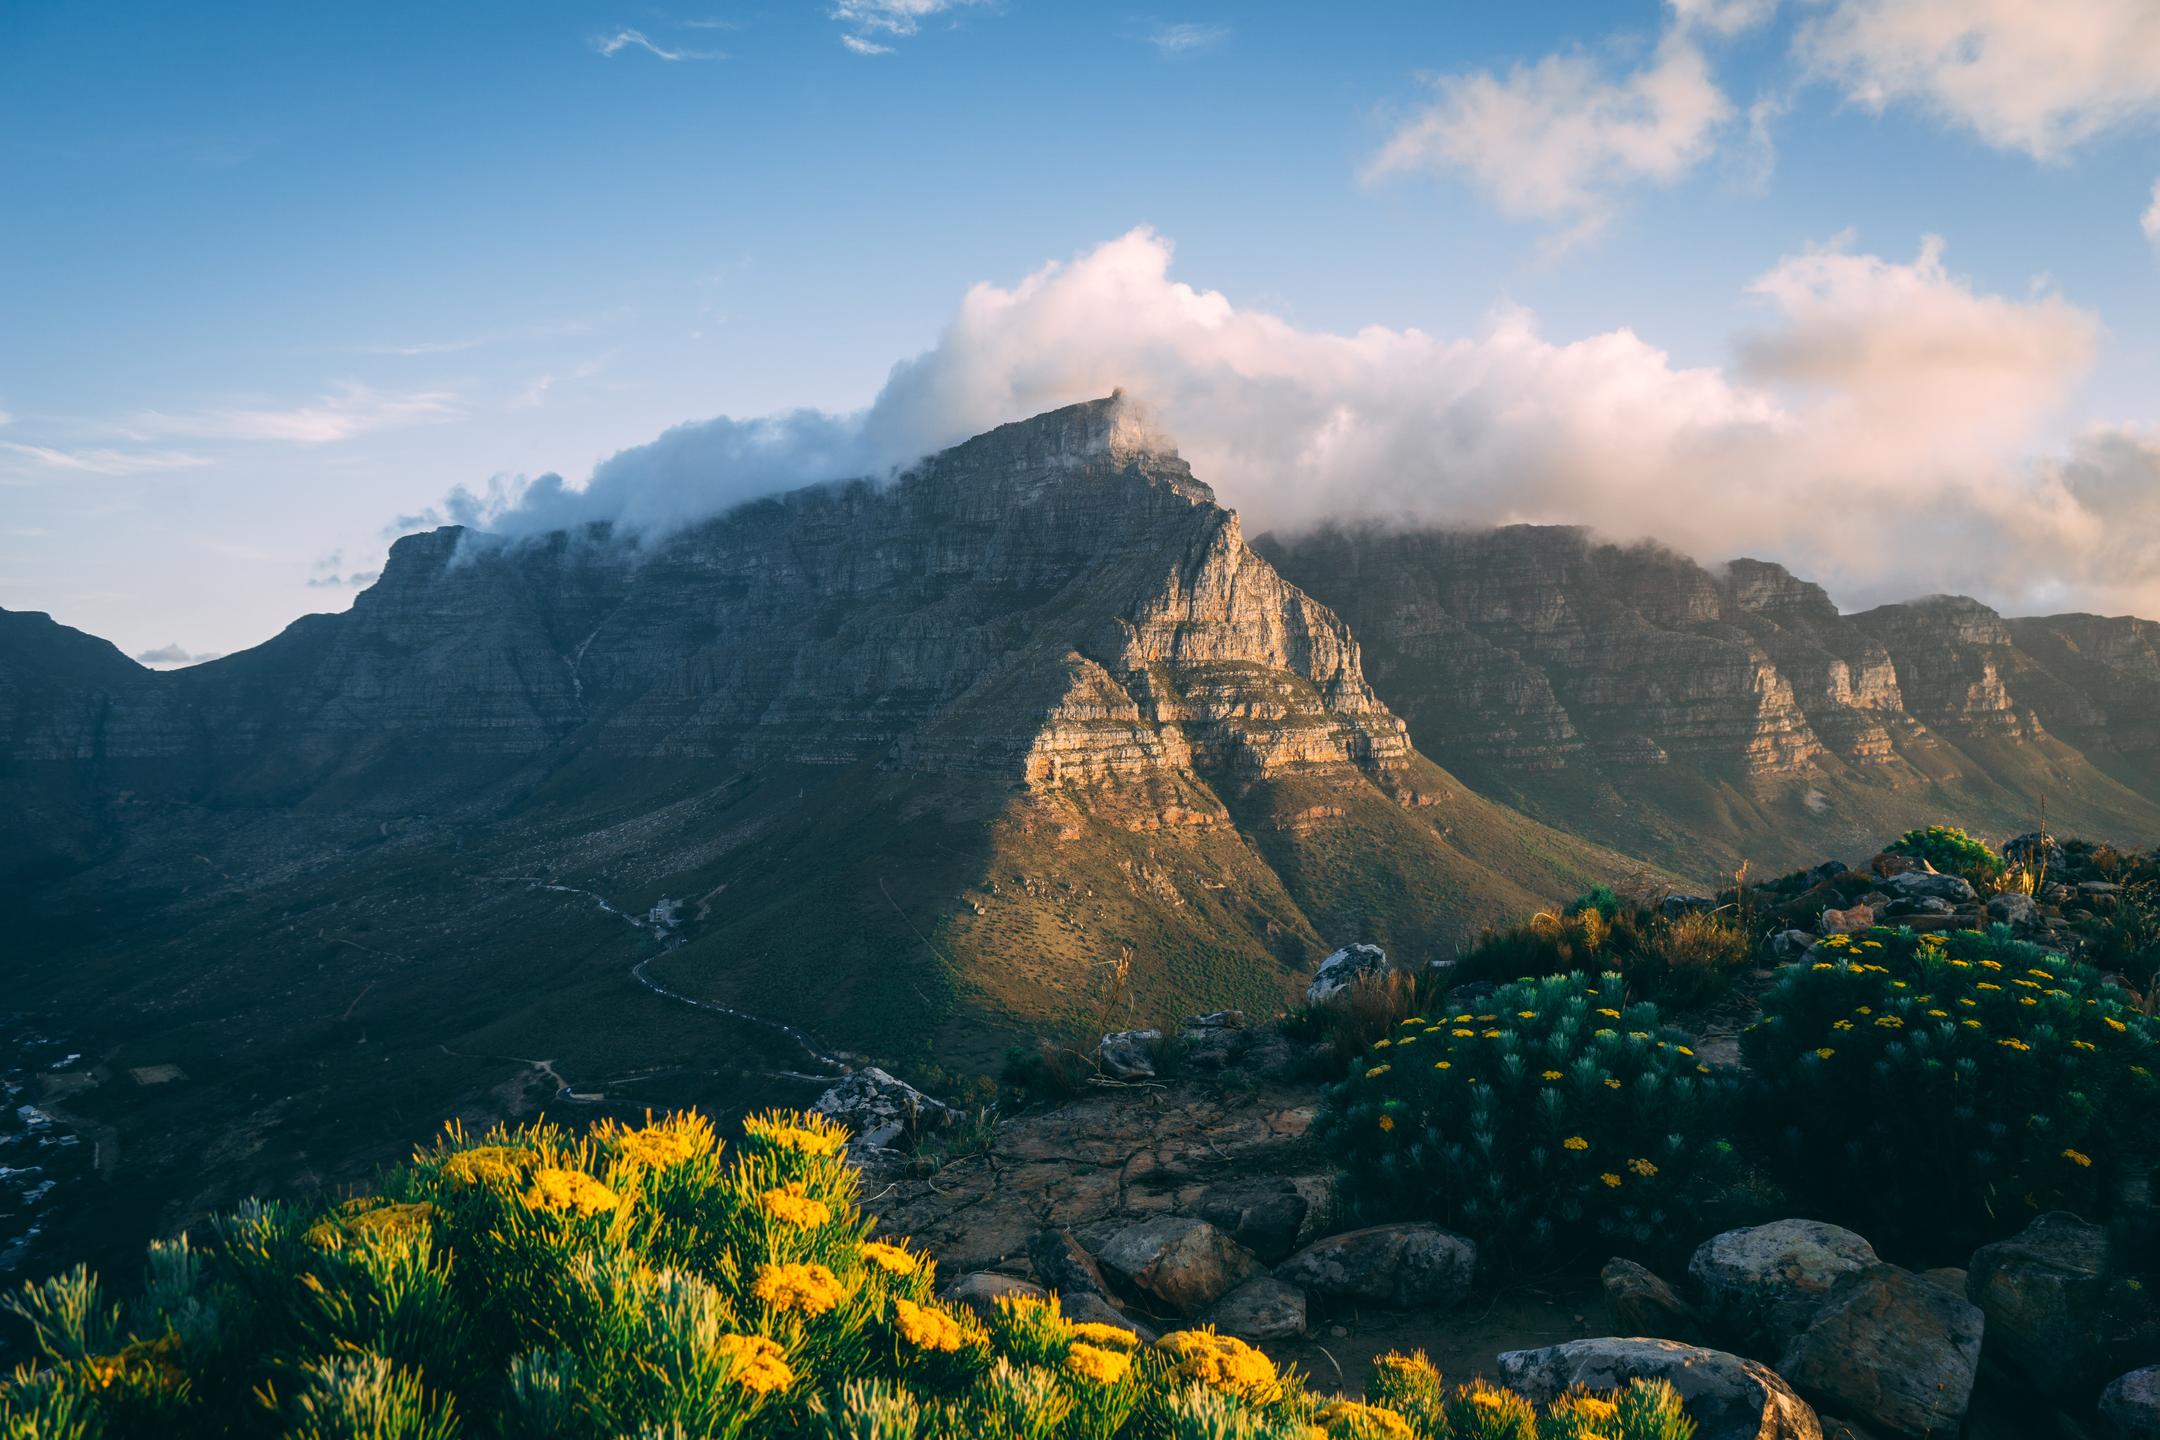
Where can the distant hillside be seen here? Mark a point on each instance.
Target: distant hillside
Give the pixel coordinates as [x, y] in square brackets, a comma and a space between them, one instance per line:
[1696, 717]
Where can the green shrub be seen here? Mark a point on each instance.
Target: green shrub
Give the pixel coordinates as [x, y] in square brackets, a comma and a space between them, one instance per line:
[1951, 851]
[1941, 1089]
[1551, 1116]
[633, 1283]
[1688, 960]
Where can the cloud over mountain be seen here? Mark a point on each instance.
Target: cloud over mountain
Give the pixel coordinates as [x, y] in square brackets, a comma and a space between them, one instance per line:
[1887, 425]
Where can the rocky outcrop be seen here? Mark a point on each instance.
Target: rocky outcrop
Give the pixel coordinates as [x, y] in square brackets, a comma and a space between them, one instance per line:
[1891, 1349]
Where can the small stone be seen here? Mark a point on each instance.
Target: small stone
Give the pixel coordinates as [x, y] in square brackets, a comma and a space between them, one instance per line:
[1185, 1263]
[1064, 1265]
[1420, 1266]
[1263, 1308]
[2012, 909]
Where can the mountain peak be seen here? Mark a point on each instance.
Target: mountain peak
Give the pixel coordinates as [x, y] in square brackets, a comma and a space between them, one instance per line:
[1115, 430]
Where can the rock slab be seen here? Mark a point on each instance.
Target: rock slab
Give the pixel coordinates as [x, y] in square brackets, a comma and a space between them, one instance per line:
[1420, 1266]
[1891, 1349]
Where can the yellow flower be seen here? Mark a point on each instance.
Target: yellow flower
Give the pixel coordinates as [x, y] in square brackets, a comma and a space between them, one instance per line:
[1614, 1014]
[1576, 1142]
[760, 1365]
[892, 1259]
[2083, 1045]
[1970, 1024]
[1991, 965]
[1611, 1084]
[1610, 1179]
[790, 1206]
[1553, 1075]
[662, 1143]
[1526, 1014]
[1442, 1065]
[2014, 1044]
[2043, 974]
[1387, 1122]
[364, 1220]
[2078, 1158]
[1940, 1014]
[798, 1288]
[929, 1327]
[1863, 1010]
[2113, 1024]
[1367, 1422]
[1824, 1053]
[1888, 1022]
[1221, 1362]
[1102, 1367]
[1461, 1034]
[1095, 1332]
[487, 1165]
[1842, 1025]
[1492, 1034]
[1642, 1167]
[811, 1135]
[1382, 1044]
[1377, 1071]
[569, 1192]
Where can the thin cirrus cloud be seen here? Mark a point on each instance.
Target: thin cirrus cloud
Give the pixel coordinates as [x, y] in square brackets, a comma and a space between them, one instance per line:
[2150, 220]
[1561, 139]
[1186, 38]
[1922, 404]
[613, 45]
[347, 411]
[105, 461]
[2038, 76]
[868, 25]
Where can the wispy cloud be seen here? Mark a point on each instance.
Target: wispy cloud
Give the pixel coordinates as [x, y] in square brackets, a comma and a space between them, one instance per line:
[1186, 38]
[106, 462]
[349, 410]
[353, 581]
[2151, 218]
[894, 18]
[621, 40]
[167, 657]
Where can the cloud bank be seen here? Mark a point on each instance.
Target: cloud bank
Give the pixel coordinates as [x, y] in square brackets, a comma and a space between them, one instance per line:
[1885, 428]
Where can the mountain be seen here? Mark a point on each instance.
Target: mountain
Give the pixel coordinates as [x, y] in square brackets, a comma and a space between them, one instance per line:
[1028, 740]
[1697, 717]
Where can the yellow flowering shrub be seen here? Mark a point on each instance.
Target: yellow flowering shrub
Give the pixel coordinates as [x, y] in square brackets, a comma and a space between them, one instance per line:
[1982, 1071]
[462, 1302]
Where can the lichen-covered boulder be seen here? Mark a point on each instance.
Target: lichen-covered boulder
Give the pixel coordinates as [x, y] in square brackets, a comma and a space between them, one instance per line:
[1182, 1262]
[1728, 1397]
[1344, 968]
[1760, 1286]
[1891, 1349]
[2130, 1407]
[1129, 1054]
[881, 1110]
[1263, 1308]
[1419, 1265]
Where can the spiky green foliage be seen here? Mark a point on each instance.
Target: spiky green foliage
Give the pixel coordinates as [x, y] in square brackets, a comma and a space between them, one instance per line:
[541, 1285]
[1951, 851]
[1552, 1115]
[1944, 1088]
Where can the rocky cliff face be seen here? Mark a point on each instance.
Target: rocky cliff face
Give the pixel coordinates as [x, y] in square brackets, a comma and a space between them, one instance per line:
[1585, 678]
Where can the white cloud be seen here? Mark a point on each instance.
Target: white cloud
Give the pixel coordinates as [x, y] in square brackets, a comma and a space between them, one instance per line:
[348, 410]
[611, 45]
[2041, 76]
[1558, 140]
[1723, 17]
[865, 18]
[170, 657]
[2150, 220]
[1882, 430]
[106, 462]
[1186, 38]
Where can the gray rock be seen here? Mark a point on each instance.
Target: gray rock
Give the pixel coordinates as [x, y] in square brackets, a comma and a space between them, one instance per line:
[2045, 1294]
[1263, 1308]
[1642, 1304]
[1673, 906]
[1064, 1265]
[1129, 1054]
[1890, 1349]
[1212, 1041]
[1907, 906]
[1264, 1214]
[980, 1292]
[1089, 1309]
[1182, 1262]
[1345, 967]
[1918, 884]
[1791, 944]
[2130, 1406]
[2032, 850]
[881, 1110]
[1762, 1285]
[2012, 909]
[1404, 1265]
[1950, 1277]
[1728, 1397]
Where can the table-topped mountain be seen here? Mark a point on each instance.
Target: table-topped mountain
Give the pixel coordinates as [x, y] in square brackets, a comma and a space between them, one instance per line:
[1698, 716]
[920, 766]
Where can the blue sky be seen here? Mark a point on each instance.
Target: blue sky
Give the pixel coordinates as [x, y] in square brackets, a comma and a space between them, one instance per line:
[273, 276]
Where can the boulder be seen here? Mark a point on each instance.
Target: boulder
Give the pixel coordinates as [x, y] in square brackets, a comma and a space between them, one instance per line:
[1823, 873]
[2042, 1292]
[1728, 1398]
[1853, 920]
[882, 1111]
[1345, 967]
[1214, 1040]
[1064, 1265]
[1084, 1308]
[2033, 850]
[1791, 944]
[1906, 907]
[1950, 1277]
[1263, 1308]
[1416, 1265]
[1129, 1054]
[1264, 1214]
[2130, 1407]
[1762, 1285]
[2013, 909]
[1643, 1304]
[1919, 884]
[1673, 906]
[1184, 1263]
[980, 1292]
[1892, 1350]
